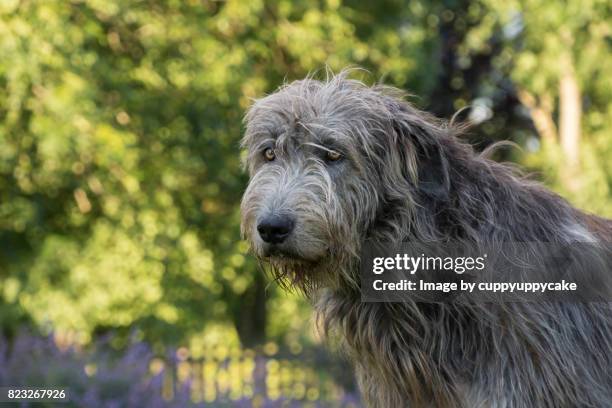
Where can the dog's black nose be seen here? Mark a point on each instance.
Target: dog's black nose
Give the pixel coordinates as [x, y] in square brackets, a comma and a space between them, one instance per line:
[275, 229]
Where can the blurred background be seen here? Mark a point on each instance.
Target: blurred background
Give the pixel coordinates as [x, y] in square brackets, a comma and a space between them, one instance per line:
[122, 272]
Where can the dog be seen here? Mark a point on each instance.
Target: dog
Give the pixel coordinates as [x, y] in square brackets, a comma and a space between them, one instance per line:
[335, 162]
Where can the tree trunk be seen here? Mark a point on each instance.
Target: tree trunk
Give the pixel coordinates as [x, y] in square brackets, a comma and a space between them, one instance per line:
[570, 111]
[250, 314]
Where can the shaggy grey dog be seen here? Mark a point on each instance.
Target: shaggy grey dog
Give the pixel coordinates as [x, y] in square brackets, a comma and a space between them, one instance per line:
[335, 162]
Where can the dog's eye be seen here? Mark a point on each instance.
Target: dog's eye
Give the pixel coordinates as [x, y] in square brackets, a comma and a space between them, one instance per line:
[269, 154]
[333, 156]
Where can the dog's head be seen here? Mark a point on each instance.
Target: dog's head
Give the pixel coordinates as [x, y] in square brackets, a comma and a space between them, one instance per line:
[331, 164]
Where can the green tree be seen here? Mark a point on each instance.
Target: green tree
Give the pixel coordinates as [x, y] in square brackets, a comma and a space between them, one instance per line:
[559, 57]
[120, 124]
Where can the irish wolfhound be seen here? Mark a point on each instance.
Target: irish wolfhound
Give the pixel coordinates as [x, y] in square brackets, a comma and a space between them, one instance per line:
[335, 162]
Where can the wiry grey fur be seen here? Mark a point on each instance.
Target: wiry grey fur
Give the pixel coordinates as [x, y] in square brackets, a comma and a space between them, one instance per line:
[405, 177]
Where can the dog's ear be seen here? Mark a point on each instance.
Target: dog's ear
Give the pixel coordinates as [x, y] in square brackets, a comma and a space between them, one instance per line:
[433, 175]
[420, 146]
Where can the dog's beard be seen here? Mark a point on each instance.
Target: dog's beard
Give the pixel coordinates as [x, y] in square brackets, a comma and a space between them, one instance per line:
[292, 274]
[303, 276]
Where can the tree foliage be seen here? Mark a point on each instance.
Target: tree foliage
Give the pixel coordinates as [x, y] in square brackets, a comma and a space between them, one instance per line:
[120, 123]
